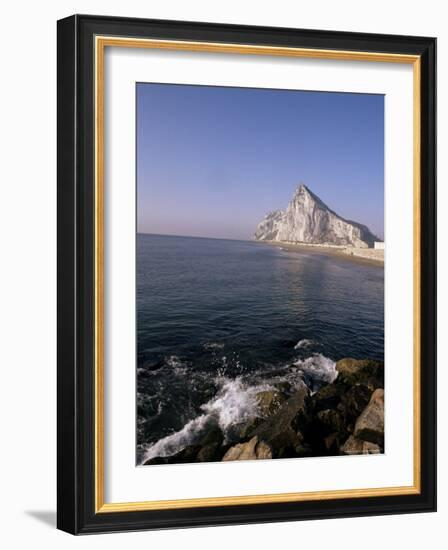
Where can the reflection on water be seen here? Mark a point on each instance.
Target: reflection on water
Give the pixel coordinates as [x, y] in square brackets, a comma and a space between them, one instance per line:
[209, 310]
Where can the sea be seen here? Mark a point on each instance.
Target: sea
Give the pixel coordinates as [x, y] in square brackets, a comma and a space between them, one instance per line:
[220, 320]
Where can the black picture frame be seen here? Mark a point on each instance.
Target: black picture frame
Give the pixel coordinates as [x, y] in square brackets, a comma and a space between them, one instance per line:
[76, 286]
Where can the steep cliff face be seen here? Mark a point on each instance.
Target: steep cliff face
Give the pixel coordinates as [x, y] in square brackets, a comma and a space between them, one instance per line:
[308, 220]
[269, 227]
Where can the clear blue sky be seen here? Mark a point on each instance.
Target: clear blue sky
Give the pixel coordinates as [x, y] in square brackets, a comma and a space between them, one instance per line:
[212, 161]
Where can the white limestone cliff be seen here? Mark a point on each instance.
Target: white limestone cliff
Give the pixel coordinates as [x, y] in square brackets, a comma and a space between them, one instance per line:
[308, 220]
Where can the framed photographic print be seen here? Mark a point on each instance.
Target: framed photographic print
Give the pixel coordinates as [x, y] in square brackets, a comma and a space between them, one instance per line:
[246, 274]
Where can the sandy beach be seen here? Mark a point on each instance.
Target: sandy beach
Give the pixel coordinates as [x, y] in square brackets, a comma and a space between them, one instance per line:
[359, 255]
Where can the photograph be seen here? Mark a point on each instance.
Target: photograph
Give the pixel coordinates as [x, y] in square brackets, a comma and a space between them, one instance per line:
[246, 251]
[259, 274]
[220, 305]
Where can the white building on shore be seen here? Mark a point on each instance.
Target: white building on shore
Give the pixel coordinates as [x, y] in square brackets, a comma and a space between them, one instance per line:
[378, 245]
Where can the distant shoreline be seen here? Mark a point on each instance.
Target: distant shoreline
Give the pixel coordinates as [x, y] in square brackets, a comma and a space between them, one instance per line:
[369, 256]
[366, 256]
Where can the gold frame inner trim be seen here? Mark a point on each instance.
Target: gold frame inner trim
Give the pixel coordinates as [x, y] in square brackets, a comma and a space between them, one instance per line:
[101, 42]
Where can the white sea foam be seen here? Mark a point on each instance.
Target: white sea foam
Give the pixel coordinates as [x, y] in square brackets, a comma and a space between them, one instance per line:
[173, 361]
[318, 368]
[178, 366]
[177, 441]
[305, 343]
[213, 345]
[234, 404]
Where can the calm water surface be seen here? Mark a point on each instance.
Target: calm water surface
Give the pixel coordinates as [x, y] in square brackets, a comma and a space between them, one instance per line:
[218, 320]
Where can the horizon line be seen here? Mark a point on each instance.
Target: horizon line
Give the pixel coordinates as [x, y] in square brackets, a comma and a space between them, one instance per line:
[194, 237]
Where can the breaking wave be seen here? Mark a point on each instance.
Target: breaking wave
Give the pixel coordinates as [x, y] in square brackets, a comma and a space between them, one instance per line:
[317, 370]
[235, 402]
[305, 343]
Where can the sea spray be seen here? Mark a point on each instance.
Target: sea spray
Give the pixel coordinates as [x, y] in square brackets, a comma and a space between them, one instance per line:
[234, 404]
[193, 295]
[305, 343]
[317, 370]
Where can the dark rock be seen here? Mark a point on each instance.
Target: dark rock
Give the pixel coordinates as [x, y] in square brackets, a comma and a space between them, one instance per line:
[186, 455]
[211, 446]
[354, 401]
[210, 453]
[344, 417]
[303, 450]
[269, 402]
[331, 420]
[361, 371]
[156, 460]
[354, 446]
[284, 387]
[255, 449]
[282, 431]
[370, 424]
[327, 397]
[212, 437]
[331, 443]
[243, 430]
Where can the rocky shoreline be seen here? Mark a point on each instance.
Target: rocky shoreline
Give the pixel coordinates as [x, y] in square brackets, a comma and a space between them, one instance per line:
[345, 417]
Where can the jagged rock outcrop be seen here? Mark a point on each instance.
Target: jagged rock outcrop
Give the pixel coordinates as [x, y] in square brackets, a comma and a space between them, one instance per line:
[252, 450]
[343, 417]
[309, 220]
[370, 424]
[282, 430]
[354, 446]
[268, 229]
[365, 371]
[269, 402]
